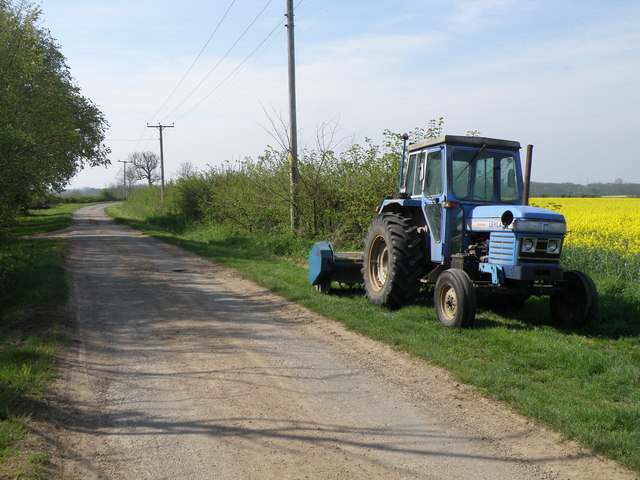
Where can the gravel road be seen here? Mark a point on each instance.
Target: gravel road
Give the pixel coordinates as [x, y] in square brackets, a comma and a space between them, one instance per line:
[179, 368]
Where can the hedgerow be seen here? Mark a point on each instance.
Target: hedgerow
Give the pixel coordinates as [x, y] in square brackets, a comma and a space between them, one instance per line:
[338, 191]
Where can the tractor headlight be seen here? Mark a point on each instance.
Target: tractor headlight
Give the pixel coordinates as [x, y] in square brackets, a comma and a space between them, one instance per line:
[553, 246]
[529, 244]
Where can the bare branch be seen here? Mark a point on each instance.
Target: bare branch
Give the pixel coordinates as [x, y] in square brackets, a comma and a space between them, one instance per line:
[279, 128]
[146, 166]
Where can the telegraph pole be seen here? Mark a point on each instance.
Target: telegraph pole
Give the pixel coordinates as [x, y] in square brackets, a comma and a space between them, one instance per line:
[124, 179]
[160, 128]
[293, 154]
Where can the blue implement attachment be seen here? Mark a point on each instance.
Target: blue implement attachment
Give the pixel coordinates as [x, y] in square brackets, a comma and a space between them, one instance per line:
[327, 266]
[320, 262]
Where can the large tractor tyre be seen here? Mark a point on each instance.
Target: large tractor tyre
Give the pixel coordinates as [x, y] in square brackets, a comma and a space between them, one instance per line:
[455, 299]
[393, 261]
[576, 304]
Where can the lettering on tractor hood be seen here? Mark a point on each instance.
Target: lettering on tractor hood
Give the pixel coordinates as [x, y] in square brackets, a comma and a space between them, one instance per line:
[518, 218]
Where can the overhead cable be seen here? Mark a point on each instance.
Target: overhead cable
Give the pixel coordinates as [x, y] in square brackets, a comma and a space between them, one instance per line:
[194, 61]
[237, 67]
[219, 61]
[233, 71]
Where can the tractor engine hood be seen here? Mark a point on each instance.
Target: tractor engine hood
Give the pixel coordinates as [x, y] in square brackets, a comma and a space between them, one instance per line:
[517, 218]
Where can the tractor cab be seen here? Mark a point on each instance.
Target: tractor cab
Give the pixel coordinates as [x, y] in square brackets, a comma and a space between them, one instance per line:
[448, 177]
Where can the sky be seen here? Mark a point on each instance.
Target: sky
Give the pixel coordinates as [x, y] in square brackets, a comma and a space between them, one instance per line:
[563, 76]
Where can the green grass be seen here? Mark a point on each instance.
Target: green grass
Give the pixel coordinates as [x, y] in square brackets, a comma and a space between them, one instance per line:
[32, 287]
[49, 220]
[584, 383]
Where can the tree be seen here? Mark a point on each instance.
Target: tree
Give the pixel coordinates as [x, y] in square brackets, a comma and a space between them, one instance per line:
[146, 166]
[128, 177]
[187, 170]
[48, 130]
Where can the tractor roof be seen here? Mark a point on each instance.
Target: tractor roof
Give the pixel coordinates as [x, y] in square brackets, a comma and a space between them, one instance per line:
[465, 141]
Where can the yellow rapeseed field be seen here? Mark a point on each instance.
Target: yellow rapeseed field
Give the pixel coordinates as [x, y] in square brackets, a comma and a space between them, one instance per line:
[599, 223]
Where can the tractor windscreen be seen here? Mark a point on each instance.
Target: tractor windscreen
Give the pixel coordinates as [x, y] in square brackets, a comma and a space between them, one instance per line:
[482, 175]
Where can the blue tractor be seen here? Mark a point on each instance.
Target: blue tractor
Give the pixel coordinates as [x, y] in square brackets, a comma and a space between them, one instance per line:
[461, 222]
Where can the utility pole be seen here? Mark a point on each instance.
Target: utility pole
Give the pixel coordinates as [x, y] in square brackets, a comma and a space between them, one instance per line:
[293, 154]
[160, 128]
[124, 179]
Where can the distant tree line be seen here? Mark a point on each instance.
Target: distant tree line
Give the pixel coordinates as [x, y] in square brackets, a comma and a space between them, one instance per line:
[544, 189]
[48, 130]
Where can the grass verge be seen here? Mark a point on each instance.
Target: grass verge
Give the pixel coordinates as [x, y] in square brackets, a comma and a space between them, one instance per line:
[584, 383]
[32, 289]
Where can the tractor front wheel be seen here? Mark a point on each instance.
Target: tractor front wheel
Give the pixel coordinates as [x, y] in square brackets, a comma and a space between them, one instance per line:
[455, 299]
[577, 303]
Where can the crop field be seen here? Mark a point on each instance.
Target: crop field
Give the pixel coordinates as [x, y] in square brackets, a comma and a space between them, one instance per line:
[611, 224]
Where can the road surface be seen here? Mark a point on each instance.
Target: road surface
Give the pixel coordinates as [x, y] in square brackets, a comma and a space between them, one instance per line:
[181, 369]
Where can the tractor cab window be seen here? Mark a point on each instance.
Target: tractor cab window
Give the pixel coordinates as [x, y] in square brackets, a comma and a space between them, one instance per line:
[508, 183]
[433, 176]
[484, 176]
[415, 174]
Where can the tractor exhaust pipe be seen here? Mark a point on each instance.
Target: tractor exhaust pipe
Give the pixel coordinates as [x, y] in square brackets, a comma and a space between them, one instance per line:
[527, 174]
[405, 137]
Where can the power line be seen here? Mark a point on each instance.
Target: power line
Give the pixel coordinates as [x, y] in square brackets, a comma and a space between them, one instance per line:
[194, 61]
[229, 87]
[240, 72]
[219, 61]
[232, 72]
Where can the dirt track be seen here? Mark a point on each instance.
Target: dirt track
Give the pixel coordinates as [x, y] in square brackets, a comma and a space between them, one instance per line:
[182, 369]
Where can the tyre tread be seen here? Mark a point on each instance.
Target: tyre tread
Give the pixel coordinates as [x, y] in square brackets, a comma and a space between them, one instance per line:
[459, 278]
[587, 313]
[406, 267]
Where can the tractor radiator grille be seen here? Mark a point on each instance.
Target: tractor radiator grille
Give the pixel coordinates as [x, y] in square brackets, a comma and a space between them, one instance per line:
[502, 248]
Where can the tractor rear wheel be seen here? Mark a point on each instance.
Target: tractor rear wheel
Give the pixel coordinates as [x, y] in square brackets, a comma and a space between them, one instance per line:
[577, 303]
[455, 299]
[393, 261]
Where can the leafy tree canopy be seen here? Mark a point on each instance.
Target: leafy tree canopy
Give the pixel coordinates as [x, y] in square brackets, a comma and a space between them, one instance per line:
[48, 130]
